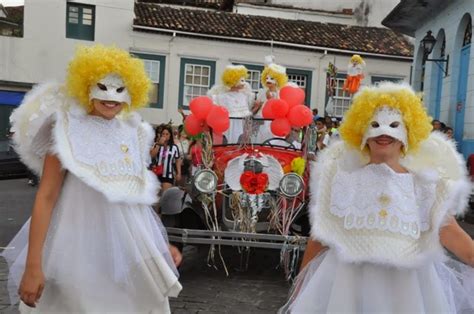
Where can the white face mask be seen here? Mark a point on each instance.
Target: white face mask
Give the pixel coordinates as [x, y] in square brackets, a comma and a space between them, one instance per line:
[386, 121]
[241, 81]
[270, 80]
[110, 88]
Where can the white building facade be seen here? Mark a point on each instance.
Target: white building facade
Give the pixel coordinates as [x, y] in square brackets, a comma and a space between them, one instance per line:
[448, 83]
[350, 12]
[181, 64]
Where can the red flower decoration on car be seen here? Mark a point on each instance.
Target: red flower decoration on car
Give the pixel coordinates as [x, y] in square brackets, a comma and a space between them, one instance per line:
[254, 183]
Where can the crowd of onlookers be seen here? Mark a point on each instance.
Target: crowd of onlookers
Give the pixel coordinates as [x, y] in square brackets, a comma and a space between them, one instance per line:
[442, 127]
[326, 129]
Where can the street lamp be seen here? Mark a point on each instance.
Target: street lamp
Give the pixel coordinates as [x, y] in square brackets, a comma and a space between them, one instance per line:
[428, 43]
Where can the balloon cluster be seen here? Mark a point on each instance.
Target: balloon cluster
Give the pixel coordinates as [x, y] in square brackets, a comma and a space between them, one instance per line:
[204, 115]
[287, 111]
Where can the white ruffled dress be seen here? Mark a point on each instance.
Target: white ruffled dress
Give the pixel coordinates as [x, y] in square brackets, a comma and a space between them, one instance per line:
[382, 231]
[106, 250]
[238, 104]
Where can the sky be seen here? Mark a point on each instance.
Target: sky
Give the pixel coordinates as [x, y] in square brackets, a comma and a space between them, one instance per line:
[8, 3]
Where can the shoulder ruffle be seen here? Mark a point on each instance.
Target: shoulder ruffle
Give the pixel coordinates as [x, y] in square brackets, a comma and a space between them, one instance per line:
[41, 125]
[439, 154]
[33, 120]
[110, 156]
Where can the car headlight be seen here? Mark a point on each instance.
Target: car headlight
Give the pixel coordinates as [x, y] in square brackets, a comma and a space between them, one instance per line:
[291, 185]
[205, 181]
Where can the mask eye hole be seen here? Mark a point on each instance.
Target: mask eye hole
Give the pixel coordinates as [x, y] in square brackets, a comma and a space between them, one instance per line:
[102, 86]
[120, 89]
[394, 125]
[374, 124]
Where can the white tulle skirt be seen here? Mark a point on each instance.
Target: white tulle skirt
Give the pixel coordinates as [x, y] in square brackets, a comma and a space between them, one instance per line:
[329, 285]
[99, 257]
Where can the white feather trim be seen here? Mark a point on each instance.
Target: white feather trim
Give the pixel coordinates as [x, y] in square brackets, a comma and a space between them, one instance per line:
[132, 190]
[221, 89]
[32, 122]
[436, 160]
[38, 130]
[217, 89]
[439, 153]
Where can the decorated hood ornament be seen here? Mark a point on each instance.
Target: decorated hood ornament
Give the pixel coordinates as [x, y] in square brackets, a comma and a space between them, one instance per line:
[255, 163]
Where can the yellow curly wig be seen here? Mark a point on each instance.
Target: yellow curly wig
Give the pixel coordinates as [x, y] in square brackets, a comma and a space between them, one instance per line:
[358, 59]
[232, 75]
[399, 96]
[90, 64]
[280, 77]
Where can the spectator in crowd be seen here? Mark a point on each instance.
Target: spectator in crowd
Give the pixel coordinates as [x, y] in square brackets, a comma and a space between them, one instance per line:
[449, 132]
[183, 146]
[315, 115]
[158, 130]
[294, 137]
[166, 159]
[332, 130]
[195, 155]
[323, 136]
[443, 125]
[328, 122]
[436, 125]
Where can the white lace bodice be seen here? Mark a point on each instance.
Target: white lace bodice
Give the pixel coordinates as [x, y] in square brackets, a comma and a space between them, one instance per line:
[372, 214]
[237, 103]
[114, 150]
[109, 155]
[375, 197]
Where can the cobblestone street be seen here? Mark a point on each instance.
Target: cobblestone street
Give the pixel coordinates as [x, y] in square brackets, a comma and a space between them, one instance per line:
[260, 289]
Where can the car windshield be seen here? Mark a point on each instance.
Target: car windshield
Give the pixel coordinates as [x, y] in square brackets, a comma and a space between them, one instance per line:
[257, 132]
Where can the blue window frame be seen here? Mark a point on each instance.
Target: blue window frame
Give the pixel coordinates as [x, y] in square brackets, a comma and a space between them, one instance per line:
[195, 79]
[155, 68]
[80, 21]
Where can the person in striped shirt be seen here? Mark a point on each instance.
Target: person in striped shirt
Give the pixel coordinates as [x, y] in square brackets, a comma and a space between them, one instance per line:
[165, 155]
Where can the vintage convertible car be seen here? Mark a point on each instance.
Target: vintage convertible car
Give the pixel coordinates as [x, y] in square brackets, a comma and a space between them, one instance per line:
[252, 193]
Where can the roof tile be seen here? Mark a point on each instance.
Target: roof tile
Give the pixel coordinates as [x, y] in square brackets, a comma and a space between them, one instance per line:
[329, 35]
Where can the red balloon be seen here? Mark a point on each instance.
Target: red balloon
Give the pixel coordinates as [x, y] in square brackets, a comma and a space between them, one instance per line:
[279, 107]
[300, 116]
[280, 127]
[218, 119]
[267, 112]
[193, 125]
[201, 106]
[292, 95]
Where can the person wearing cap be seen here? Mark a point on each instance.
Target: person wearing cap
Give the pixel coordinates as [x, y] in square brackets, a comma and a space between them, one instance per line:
[382, 209]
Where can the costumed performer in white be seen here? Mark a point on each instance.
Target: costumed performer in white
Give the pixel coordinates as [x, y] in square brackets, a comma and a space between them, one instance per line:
[273, 78]
[382, 209]
[235, 94]
[94, 244]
